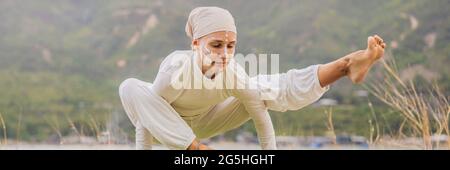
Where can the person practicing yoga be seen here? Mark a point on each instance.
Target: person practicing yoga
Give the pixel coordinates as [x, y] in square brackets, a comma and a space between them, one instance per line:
[202, 92]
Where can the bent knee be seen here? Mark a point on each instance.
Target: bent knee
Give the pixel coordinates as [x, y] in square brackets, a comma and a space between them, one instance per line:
[128, 85]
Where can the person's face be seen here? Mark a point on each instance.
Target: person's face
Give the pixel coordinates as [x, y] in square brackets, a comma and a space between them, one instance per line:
[216, 49]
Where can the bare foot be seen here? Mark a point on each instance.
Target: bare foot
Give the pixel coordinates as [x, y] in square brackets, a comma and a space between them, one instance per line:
[361, 61]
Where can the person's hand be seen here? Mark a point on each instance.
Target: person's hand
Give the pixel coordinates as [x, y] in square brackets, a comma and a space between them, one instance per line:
[196, 145]
[204, 147]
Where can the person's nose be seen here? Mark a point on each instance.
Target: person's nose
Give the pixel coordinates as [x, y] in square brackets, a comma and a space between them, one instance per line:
[222, 54]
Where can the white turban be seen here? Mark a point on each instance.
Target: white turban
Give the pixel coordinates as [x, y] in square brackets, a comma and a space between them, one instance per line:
[205, 20]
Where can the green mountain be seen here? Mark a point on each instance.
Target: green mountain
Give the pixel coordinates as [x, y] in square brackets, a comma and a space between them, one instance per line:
[61, 61]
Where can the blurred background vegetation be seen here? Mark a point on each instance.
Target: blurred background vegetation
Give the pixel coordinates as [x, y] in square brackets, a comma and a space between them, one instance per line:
[61, 62]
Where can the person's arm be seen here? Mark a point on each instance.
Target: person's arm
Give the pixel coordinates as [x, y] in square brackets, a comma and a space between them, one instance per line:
[292, 90]
[263, 123]
[298, 88]
[170, 70]
[260, 116]
[251, 99]
[164, 87]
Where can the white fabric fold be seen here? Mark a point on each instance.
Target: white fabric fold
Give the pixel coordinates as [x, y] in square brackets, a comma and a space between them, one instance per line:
[175, 117]
[147, 109]
[205, 20]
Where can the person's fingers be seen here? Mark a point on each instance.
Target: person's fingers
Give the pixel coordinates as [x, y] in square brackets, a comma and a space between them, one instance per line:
[383, 45]
[205, 147]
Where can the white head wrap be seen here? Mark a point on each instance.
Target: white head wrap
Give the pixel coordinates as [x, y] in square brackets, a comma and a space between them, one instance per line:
[205, 20]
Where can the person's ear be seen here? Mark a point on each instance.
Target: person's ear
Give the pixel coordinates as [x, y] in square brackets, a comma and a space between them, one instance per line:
[195, 43]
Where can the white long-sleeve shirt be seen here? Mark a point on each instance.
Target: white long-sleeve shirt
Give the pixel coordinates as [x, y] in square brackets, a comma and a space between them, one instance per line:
[181, 67]
[166, 111]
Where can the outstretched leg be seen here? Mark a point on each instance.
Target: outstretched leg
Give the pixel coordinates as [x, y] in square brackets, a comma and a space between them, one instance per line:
[354, 65]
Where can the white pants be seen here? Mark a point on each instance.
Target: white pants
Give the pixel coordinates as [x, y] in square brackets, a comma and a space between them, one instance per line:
[153, 117]
[136, 97]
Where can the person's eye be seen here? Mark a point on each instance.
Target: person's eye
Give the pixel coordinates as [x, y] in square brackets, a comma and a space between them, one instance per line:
[230, 46]
[216, 45]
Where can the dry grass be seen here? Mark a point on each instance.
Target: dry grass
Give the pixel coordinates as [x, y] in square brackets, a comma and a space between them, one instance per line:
[5, 137]
[54, 124]
[330, 126]
[73, 127]
[374, 127]
[94, 127]
[19, 122]
[427, 113]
